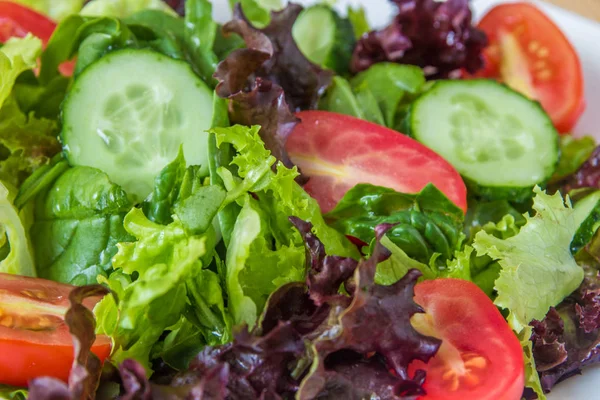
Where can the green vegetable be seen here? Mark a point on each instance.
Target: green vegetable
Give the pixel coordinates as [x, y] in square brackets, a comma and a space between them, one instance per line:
[17, 55]
[265, 250]
[12, 393]
[393, 269]
[538, 270]
[78, 223]
[123, 8]
[258, 12]
[199, 38]
[573, 153]
[379, 94]
[56, 10]
[428, 224]
[26, 143]
[13, 233]
[145, 106]
[325, 38]
[532, 378]
[501, 142]
[358, 18]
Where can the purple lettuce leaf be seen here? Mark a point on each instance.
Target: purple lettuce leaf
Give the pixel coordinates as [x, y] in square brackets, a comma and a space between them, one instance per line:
[568, 339]
[437, 36]
[270, 79]
[87, 368]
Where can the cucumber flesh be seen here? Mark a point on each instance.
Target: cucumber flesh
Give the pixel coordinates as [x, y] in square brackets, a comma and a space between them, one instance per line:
[499, 140]
[324, 37]
[129, 113]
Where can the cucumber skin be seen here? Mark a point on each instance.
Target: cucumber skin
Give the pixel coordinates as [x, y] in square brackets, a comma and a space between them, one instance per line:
[341, 55]
[489, 193]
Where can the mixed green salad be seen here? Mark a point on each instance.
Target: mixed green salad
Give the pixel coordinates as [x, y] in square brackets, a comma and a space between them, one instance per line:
[292, 204]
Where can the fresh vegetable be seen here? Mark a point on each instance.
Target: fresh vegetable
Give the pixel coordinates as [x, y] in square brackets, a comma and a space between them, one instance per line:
[149, 107]
[540, 249]
[18, 21]
[325, 38]
[34, 336]
[574, 152]
[123, 8]
[502, 143]
[15, 245]
[426, 225]
[328, 148]
[587, 176]
[380, 94]
[436, 36]
[480, 357]
[529, 53]
[270, 78]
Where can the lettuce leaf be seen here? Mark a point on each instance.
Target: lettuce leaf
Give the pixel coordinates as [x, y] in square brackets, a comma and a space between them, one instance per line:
[17, 55]
[78, 223]
[14, 225]
[538, 269]
[56, 10]
[123, 8]
[265, 251]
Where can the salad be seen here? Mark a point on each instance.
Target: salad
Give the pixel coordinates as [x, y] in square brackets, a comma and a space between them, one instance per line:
[292, 204]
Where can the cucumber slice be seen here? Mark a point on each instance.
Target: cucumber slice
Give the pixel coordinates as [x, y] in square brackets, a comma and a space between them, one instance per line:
[501, 142]
[325, 38]
[128, 114]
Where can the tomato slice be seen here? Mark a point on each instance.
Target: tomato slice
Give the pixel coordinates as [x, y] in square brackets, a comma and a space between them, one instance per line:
[480, 357]
[17, 20]
[34, 339]
[337, 152]
[529, 52]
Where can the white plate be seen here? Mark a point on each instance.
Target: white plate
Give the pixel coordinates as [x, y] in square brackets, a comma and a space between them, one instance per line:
[585, 36]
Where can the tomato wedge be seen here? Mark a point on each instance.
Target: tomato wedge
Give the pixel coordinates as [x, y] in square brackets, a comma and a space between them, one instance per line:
[480, 357]
[529, 52]
[337, 152]
[34, 339]
[17, 20]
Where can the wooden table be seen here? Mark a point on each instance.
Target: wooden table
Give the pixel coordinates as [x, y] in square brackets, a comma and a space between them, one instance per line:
[588, 8]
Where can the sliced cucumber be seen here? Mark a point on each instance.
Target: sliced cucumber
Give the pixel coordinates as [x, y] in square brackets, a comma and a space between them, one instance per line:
[129, 113]
[325, 38]
[501, 142]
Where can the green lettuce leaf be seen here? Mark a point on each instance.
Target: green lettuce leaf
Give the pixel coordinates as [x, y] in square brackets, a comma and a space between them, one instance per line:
[17, 55]
[358, 18]
[538, 269]
[532, 378]
[163, 258]
[265, 251]
[56, 10]
[123, 8]
[428, 224]
[573, 153]
[26, 143]
[12, 393]
[14, 238]
[78, 223]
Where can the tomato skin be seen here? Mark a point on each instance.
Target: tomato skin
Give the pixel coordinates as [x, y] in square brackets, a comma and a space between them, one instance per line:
[17, 20]
[470, 327]
[29, 353]
[553, 69]
[338, 151]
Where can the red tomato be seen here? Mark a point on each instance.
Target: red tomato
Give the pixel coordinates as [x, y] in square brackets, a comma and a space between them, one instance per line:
[17, 20]
[529, 53]
[480, 356]
[337, 152]
[34, 339]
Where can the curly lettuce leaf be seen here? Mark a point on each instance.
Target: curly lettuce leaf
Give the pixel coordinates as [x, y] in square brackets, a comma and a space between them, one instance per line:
[78, 223]
[17, 55]
[13, 231]
[265, 251]
[56, 10]
[538, 269]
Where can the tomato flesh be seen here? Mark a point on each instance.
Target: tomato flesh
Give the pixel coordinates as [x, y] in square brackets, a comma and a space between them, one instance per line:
[480, 356]
[34, 339]
[338, 152]
[17, 20]
[529, 52]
